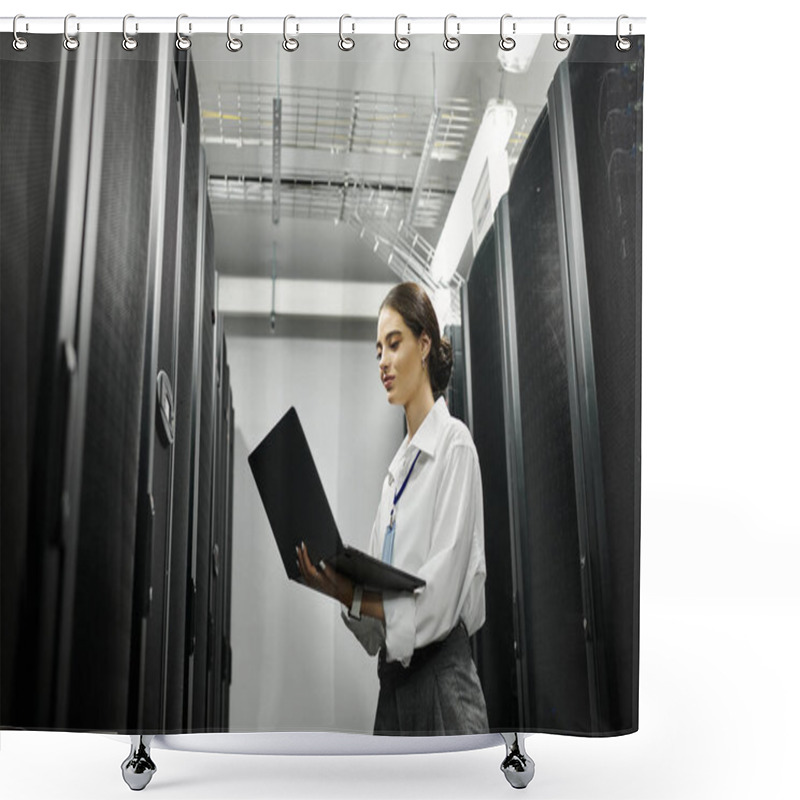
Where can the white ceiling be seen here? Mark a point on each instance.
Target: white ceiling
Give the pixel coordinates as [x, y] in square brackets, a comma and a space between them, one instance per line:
[353, 136]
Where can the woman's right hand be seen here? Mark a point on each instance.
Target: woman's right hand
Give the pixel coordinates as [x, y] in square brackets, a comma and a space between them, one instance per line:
[325, 579]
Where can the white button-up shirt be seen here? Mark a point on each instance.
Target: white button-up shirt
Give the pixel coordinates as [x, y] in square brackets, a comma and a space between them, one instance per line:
[438, 537]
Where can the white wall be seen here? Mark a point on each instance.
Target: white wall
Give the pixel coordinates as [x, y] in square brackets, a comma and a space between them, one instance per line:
[295, 664]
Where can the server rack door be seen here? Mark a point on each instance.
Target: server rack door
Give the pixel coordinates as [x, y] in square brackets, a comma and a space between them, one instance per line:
[205, 467]
[457, 389]
[195, 505]
[606, 101]
[217, 517]
[227, 651]
[158, 418]
[495, 648]
[35, 137]
[184, 370]
[552, 588]
[102, 445]
[224, 544]
[222, 482]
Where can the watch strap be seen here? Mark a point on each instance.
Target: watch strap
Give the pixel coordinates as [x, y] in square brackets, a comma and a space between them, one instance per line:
[355, 607]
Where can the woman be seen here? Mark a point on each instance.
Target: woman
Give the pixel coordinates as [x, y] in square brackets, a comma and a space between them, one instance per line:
[429, 523]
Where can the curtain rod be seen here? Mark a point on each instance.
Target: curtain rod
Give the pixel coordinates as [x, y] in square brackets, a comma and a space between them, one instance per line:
[405, 26]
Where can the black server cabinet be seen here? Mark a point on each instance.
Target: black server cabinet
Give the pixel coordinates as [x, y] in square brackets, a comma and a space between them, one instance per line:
[219, 585]
[204, 466]
[35, 127]
[185, 380]
[227, 647]
[108, 399]
[158, 421]
[126, 261]
[555, 372]
[73, 670]
[456, 393]
[225, 545]
[550, 563]
[495, 648]
[598, 94]
[218, 516]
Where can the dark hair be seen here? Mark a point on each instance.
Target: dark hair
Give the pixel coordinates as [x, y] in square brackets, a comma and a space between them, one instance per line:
[412, 303]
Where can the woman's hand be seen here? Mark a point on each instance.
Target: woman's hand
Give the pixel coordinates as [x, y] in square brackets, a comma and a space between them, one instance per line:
[325, 579]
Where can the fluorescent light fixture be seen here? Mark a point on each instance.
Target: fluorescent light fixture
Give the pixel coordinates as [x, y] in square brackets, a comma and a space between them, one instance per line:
[519, 59]
[486, 169]
[442, 300]
[254, 296]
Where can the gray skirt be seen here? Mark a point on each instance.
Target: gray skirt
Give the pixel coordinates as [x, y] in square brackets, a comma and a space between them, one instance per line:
[438, 693]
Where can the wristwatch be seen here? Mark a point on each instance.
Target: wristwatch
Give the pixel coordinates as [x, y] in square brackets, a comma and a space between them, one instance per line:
[354, 612]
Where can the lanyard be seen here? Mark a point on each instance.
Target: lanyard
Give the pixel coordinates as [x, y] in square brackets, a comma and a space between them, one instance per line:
[399, 493]
[388, 541]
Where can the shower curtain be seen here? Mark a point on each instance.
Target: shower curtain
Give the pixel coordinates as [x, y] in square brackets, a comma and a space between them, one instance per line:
[197, 239]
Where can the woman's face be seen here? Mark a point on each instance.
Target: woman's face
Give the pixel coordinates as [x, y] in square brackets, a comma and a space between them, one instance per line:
[400, 355]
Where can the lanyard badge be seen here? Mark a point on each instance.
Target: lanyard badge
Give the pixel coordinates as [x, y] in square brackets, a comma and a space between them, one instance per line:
[388, 539]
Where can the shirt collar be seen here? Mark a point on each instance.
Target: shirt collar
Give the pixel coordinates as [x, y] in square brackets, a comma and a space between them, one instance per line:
[428, 432]
[426, 437]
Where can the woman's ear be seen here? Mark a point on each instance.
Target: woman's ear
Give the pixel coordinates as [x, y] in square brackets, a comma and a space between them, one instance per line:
[425, 345]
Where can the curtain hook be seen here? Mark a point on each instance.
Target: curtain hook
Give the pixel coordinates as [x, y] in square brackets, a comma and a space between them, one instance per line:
[233, 44]
[451, 42]
[400, 42]
[506, 42]
[561, 43]
[128, 42]
[70, 42]
[182, 42]
[19, 43]
[345, 42]
[623, 44]
[289, 44]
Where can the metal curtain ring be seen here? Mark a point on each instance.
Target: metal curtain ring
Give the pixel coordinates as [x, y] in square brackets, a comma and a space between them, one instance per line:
[233, 44]
[289, 44]
[560, 43]
[622, 44]
[400, 42]
[506, 42]
[451, 42]
[345, 42]
[70, 42]
[128, 42]
[182, 42]
[19, 43]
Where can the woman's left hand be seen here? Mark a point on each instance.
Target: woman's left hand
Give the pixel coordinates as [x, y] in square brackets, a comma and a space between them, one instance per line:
[325, 579]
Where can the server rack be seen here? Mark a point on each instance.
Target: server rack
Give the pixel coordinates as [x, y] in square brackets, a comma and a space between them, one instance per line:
[496, 644]
[38, 262]
[158, 413]
[227, 646]
[457, 388]
[217, 512]
[563, 268]
[608, 91]
[108, 327]
[185, 379]
[204, 485]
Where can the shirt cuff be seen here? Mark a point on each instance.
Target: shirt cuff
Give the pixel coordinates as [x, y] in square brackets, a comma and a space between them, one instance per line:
[399, 610]
[368, 630]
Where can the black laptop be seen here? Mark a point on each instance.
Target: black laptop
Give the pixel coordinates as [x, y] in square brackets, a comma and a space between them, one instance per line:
[298, 510]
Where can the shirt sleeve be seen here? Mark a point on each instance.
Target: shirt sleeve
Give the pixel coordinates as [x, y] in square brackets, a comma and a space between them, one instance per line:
[369, 631]
[416, 620]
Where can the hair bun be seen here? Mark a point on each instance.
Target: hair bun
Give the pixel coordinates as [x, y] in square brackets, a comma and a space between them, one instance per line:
[446, 352]
[443, 367]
